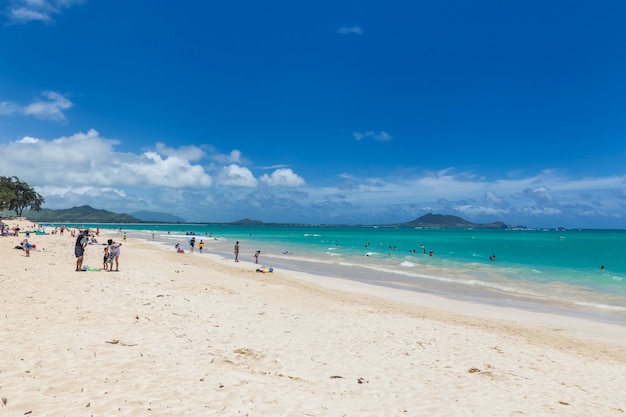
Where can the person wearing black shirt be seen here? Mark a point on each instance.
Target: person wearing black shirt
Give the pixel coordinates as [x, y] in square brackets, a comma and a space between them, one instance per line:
[79, 249]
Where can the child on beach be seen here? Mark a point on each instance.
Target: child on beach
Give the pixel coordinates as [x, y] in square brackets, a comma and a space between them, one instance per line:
[106, 258]
[27, 247]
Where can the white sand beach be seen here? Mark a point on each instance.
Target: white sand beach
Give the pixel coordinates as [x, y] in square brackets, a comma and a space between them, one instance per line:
[195, 334]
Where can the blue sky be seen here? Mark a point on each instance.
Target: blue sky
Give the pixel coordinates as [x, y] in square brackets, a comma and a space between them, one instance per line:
[360, 112]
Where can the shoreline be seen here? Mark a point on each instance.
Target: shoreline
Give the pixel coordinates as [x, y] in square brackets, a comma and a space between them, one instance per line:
[174, 334]
[420, 285]
[577, 321]
[530, 314]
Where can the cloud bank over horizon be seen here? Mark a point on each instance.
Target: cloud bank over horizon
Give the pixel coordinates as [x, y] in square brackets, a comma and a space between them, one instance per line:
[200, 184]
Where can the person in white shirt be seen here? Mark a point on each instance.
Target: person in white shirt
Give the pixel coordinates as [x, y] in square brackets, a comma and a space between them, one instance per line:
[114, 254]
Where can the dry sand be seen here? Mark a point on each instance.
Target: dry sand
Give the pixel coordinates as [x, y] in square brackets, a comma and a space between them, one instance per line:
[189, 334]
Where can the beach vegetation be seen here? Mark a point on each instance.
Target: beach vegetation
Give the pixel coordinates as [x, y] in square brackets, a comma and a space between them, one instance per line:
[16, 195]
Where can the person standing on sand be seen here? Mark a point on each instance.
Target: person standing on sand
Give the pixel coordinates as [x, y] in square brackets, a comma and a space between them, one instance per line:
[79, 248]
[256, 256]
[114, 254]
[106, 258]
[237, 251]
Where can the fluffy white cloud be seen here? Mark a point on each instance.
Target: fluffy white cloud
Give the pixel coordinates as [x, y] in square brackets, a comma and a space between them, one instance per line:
[174, 172]
[52, 107]
[284, 177]
[87, 159]
[87, 168]
[28, 139]
[236, 176]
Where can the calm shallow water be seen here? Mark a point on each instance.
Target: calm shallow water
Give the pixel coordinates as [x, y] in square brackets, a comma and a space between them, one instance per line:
[540, 267]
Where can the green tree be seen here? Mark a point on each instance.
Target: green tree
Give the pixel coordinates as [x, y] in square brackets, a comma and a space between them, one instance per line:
[17, 195]
[6, 192]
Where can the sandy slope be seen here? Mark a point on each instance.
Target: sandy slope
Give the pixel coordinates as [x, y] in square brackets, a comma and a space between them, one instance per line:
[188, 334]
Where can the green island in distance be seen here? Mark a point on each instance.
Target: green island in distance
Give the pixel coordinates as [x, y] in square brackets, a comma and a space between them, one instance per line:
[88, 214]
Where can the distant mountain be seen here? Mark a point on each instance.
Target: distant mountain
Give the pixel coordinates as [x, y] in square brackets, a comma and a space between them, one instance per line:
[451, 222]
[82, 214]
[151, 216]
[247, 222]
[87, 214]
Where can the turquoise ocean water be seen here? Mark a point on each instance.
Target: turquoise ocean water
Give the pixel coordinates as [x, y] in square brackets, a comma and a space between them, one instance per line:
[535, 268]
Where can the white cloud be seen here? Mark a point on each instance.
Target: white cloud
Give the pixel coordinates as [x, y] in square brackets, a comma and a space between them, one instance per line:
[153, 170]
[236, 176]
[191, 153]
[87, 159]
[481, 211]
[540, 194]
[381, 136]
[494, 199]
[87, 168]
[28, 139]
[284, 177]
[8, 108]
[350, 30]
[23, 15]
[52, 107]
[537, 200]
[234, 157]
[24, 11]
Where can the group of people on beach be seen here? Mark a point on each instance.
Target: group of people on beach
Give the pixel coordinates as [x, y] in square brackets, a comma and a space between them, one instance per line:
[111, 252]
[256, 254]
[200, 246]
[25, 244]
[192, 244]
